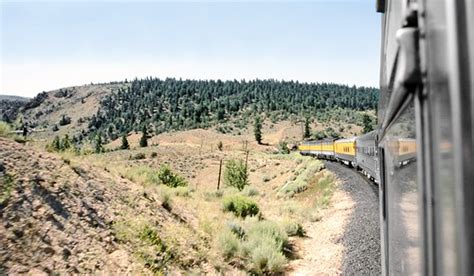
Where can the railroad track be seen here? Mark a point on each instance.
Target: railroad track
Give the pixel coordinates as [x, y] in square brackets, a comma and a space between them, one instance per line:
[361, 237]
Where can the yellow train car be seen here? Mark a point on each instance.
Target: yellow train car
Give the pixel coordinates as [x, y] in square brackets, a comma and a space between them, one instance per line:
[304, 148]
[406, 150]
[345, 150]
[320, 149]
[310, 148]
[327, 149]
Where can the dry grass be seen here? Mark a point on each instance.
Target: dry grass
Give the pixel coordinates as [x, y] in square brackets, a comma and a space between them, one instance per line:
[200, 204]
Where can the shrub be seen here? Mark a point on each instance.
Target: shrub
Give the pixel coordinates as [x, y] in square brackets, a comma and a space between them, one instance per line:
[150, 236]
[7, 187]
[293, 228]
[236, 228]
[250, 191]
[166, 200]
[182, 191]
[283, 147]
[266, 178]
[229, 244]
[65, 120]
[318, 135]
[290, 207]
[312, 215]
[264, 244]
[215, 194]
[154, 252]
[240, 205]
[325, 187]
[259, 230]
[55, 145]
[259, 243]
[138, 156]
[299, 183]
[169, 178]
[266, 259]
[4, 129]
[19, 139]
[235, 174]
[154, 154]
[143, 175]
[66, 142]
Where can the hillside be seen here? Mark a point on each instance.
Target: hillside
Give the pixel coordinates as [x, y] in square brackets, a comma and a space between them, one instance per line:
[66, 217]
[10, 106]
[46, 110]
[78, 210]
[13, 98]
[114, 109]
[112, 213]
[170, 104]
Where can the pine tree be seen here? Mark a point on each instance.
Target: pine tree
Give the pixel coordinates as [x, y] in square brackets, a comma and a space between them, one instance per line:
[56, 144]
[307, 128]
[125, 145]
[258, 130]
[66, 143]
[144, 139]
[98, 144]
[367, 122]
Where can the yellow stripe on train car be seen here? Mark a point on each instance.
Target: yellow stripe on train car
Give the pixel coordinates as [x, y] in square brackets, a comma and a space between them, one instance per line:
[315, 147]
[327, 146]
[303, 147]
[345, 146]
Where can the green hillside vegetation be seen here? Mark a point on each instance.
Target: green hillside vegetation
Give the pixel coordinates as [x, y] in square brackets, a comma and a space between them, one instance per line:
[9, 108]
[172, 104]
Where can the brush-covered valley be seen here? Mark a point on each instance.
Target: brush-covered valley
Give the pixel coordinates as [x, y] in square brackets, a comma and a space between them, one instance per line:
[175, 177]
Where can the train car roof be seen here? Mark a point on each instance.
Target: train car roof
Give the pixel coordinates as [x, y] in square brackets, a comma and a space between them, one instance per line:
[310, 142]
[352, 139]
[327, 140]
[368, 136]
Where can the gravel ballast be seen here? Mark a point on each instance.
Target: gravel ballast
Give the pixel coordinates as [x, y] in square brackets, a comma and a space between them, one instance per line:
[361, 238]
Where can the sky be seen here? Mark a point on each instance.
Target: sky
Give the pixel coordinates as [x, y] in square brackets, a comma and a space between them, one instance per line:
[46, 45]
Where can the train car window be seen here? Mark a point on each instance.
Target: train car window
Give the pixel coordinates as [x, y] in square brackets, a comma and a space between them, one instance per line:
[440, 121]
[403, 206]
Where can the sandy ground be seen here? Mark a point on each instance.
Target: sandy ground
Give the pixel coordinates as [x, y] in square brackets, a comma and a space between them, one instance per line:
[347, 239]
[321, 251]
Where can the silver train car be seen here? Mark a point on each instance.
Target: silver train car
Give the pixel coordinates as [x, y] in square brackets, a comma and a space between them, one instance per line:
[366, 156]
[425, 137]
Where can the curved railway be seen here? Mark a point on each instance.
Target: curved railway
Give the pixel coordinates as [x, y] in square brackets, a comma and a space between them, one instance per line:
[361, 238]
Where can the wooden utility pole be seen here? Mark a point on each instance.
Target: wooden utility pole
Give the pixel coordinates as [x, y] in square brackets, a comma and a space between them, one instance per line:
[246, 161]
[244, 145]
[219, 180]
[200, 148]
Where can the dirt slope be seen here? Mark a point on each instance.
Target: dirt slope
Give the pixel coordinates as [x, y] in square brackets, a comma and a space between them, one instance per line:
[57, 216]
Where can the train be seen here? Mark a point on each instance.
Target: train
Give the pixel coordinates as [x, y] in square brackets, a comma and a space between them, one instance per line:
[422, 151]
[360, 152]
[425, 137]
